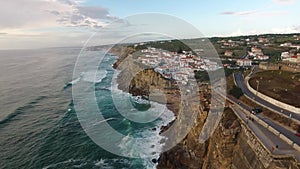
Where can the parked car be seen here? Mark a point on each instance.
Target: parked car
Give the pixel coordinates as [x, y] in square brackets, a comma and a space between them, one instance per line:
[256, 110]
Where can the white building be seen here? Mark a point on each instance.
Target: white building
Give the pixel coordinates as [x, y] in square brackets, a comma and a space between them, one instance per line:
[261, 57]
[244, 62]
[285, 56]
[294, 59]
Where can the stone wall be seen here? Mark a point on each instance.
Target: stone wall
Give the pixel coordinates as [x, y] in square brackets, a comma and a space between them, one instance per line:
[271, 100]
[290, 67]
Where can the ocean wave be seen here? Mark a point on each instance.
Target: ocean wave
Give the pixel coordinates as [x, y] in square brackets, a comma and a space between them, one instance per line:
[21, 110]
[59, 164]
[102, 88]
[89, 76]
[150, 145]
[102, 121]
[71, 83]
[94, 77]
[113, 163]
[109, 163]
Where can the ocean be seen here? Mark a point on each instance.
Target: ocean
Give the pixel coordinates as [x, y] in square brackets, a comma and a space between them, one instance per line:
[39, 126]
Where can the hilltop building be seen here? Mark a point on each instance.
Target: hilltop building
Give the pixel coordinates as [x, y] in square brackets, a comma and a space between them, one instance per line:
[244, 62]
[228, 53]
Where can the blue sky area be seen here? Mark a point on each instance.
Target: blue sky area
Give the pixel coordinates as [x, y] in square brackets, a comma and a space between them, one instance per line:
[50, 23]
[215, 17]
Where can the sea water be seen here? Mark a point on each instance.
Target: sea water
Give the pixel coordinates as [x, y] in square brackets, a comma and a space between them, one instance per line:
[39, 127]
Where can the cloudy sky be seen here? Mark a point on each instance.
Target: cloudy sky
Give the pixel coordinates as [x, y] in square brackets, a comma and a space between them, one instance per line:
[55, 23]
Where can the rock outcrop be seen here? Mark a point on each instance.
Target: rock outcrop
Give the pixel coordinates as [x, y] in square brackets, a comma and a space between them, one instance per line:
[231, 145]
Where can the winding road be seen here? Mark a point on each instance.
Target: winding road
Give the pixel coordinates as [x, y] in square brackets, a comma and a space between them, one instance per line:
[288, 133]
[240, 82]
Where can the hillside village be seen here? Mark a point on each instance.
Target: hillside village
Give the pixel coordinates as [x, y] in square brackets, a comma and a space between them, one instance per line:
[255, 47]
[178, 66]
[235, 53]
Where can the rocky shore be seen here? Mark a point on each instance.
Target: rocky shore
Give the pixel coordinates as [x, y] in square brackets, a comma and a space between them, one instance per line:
[227, 147]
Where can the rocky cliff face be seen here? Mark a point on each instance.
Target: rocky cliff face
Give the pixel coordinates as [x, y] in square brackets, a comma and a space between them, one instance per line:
[137, 80]
[231, 146]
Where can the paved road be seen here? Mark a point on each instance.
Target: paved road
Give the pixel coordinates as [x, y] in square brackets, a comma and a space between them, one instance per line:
[286, 132]
[239, 79]
[269, 139]
[245, 55]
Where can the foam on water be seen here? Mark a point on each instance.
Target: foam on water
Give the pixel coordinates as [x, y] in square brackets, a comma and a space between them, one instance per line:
[148, 147]
[80, 163]
[152, 147]
[90, 76]
[102, 121]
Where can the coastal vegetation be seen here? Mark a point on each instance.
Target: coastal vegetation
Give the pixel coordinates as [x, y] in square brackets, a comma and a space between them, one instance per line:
[236, 92]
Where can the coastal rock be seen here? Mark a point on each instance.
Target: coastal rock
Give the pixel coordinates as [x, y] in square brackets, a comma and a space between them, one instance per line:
[227, 148]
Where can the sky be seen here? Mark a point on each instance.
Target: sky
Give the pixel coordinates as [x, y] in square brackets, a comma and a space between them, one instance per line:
[56, 23]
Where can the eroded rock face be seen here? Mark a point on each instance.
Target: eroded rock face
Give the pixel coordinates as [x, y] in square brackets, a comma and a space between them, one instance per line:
[227, 148]
[217, 152]
[229, 145]
[142, 81]
[222, 144]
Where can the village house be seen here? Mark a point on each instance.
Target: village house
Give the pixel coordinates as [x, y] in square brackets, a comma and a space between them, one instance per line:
[228, 53]
[174, 65]
[263, 40]
[244, 62]
[287, 44]
[255, 49]
[294, 59]
[285, 56]
[261, 57]
[255, 52]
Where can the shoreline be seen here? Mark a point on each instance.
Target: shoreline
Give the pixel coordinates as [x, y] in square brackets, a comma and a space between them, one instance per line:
[160, 128]
[169, 106]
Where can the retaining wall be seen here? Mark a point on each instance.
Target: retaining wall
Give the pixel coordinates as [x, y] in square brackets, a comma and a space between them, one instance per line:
[271, 100]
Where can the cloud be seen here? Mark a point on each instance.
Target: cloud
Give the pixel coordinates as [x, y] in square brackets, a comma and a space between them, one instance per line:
[43, 23]
[255, 13]
[28, 13]
[284, 30]
[274, 13]
[86, 16]
[95, 12]
[68, 2]
[284, 2]
[24, 14]
[275, 30]
[239, 13]
[54, 12]
[83, 16]
[227, 13]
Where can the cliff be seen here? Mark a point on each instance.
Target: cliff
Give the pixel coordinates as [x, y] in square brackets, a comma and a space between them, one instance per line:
[231, 146]
[137, 80]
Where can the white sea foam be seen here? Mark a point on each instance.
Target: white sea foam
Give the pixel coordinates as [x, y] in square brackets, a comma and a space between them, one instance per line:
[102, 121]
[149, 146]
[63, 162]
[93, 77]
[108, 163]
[74, 81]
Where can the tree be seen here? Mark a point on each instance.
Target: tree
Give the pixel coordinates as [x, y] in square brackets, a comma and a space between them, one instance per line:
[201, 76]
[179, 50]
[236, 92]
